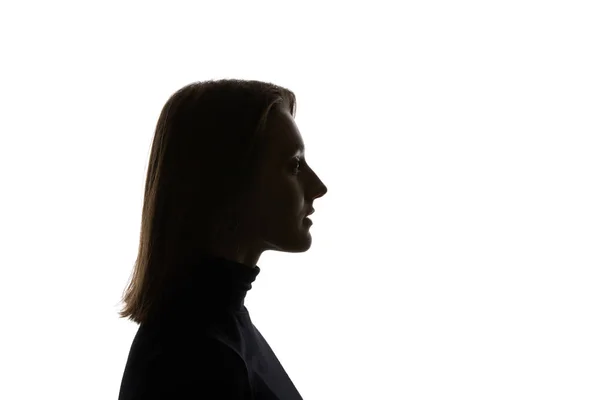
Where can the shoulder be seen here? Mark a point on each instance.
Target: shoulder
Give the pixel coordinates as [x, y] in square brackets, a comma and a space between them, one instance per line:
[207, 366]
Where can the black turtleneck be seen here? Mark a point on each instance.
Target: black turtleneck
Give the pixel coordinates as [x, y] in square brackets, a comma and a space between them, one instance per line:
[202, 344]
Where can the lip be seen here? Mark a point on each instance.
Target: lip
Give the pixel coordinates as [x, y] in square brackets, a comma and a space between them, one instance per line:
[312, 210]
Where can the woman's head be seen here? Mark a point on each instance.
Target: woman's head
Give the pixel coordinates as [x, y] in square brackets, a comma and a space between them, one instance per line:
[223, 180]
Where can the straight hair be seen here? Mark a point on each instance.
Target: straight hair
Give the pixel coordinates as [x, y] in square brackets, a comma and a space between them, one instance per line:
[207, 149]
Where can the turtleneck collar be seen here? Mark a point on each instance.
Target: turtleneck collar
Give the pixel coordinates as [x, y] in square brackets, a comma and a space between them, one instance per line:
[211, 284]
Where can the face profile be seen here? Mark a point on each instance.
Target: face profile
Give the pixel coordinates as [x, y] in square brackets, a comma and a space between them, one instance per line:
[275, 215]
[228, 179]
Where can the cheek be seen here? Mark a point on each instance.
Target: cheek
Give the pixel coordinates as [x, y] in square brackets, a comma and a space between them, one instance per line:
[280, 210]
[280, 199]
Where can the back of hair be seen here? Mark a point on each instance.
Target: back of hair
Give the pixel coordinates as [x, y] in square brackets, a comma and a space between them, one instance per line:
[207, 147]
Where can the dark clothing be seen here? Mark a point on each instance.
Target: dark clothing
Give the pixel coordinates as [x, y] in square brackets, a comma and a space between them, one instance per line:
[203, 344]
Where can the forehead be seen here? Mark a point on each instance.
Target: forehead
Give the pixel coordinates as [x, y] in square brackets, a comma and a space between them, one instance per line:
[283, 137]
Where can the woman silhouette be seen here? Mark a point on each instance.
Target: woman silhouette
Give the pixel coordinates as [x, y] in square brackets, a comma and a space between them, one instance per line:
[227, 180]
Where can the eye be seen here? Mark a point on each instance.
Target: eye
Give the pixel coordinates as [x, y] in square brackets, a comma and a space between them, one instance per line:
[297, 169]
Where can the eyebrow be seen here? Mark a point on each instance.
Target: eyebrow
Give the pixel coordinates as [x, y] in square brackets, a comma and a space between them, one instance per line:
[299, 150]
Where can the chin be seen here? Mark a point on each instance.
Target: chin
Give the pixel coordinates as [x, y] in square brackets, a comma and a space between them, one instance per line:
[300, 249]
[298, 245]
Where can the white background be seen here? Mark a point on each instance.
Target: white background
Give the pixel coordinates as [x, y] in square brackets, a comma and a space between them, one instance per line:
[455, 256]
